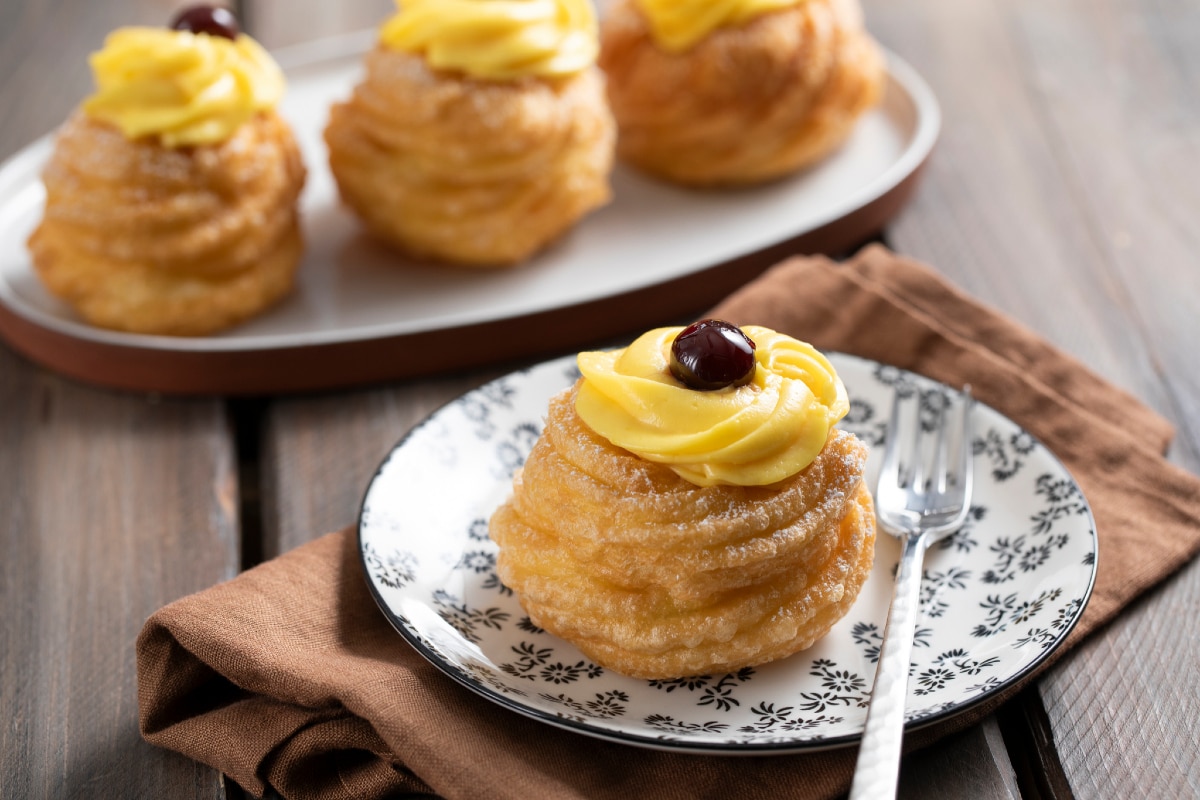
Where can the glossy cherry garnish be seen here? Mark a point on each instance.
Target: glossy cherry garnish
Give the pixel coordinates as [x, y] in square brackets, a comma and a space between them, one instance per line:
[712, 354]
[213, 20]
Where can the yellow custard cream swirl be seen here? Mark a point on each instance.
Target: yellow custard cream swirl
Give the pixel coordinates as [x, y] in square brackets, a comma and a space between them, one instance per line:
[497, 39]
[752, 435]
[679, 24]
[185, 88]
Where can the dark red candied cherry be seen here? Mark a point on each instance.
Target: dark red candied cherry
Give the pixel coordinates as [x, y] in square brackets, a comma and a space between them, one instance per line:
[213, 20]
[712, 354]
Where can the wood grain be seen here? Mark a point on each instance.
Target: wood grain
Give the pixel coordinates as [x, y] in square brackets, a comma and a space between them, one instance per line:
[44, 45]
[995, 212]
[973, 765]
[278, 23]
[110, 505]
[1063, 191]
[320, 452]
[1120, 77]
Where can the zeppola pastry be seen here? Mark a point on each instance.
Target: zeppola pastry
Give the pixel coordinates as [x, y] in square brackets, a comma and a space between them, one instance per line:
[689, 508]
[736, 92]
[171, 193]
[480, 133]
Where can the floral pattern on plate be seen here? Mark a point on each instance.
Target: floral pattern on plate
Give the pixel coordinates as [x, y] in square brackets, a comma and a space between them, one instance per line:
[997, 597]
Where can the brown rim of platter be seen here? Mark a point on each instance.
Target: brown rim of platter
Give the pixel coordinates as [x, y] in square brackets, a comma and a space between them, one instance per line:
[365, 361]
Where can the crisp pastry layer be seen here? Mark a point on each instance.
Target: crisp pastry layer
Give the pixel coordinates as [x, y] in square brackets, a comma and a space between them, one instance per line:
[188, 241]
[476, 172]
[745, 104]
[655, 577]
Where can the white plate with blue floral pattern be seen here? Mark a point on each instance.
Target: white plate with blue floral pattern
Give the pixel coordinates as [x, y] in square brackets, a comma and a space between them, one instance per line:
[997, 597]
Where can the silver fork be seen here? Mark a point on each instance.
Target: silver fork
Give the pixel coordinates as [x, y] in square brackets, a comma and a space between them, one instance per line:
[923, 494]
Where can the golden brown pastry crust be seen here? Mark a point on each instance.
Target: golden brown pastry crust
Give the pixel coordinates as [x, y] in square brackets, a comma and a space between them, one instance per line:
[475, 172]
[655, 577]
[745, 104]
[189, 241]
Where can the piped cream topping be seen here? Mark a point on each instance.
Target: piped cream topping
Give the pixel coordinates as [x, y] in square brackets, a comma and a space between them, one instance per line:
[752, 435]
[497, 39]
[677, 25]
[185, 88]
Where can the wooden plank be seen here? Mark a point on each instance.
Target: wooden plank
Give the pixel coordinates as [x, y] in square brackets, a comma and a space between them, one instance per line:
[44, 45]
[110, 505]
[1116, 81]
[995, 211]
[1063, 191]
[320, 452]
[281, 24]
[973, 764]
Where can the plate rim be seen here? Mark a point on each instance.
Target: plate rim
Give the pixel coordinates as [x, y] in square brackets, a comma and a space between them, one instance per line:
[227, 364]
[696, 747]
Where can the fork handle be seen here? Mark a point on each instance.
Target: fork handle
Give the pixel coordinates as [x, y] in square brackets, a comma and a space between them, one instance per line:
[878, 767]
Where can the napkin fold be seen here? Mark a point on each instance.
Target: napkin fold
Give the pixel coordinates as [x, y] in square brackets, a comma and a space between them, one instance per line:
[288, 676]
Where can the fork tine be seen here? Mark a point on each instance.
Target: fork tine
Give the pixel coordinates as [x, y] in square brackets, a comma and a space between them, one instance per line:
[958, 496]
[890, 469]
[941, 444]
[909, 431]
[966, 455]
[915, 471]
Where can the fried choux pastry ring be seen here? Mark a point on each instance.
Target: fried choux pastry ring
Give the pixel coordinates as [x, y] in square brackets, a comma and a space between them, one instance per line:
[757, 91]
[480, 133]
[669, 532]
[171, 194]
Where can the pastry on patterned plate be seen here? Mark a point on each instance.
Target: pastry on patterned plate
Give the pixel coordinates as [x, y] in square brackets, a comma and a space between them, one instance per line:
[690, 508]
[736, 92]
[480, 133]
[171, 193]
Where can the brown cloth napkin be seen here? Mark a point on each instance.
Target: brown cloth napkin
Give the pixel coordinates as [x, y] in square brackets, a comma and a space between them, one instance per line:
[289, 676]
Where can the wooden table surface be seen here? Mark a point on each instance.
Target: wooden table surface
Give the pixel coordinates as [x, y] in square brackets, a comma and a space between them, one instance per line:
[1065, 190]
